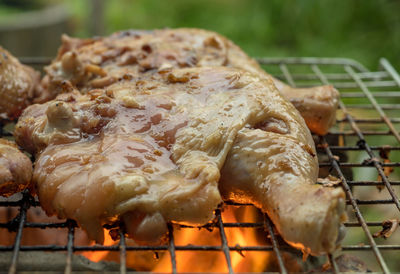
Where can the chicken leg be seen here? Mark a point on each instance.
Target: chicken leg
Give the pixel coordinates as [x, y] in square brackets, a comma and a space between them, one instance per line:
[278, 175]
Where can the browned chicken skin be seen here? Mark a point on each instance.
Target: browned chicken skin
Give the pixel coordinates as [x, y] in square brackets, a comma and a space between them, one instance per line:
[99, 62]
[15, 169]
[151, 148]
[17, 86]
[17, 91]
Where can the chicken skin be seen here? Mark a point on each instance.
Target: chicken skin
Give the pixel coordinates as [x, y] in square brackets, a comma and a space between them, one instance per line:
[17, 86]
[100, 62]
[317, 105]
[15, 169]
[275, 170]
[151, 148]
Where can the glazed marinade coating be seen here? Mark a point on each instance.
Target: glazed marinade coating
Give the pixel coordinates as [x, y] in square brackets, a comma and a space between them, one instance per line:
[18, 86]
[15, 169]
[99, 62]
[17, 90]
[147, 150]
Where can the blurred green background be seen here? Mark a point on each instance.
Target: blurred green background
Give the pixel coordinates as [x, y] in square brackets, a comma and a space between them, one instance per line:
[364, 30]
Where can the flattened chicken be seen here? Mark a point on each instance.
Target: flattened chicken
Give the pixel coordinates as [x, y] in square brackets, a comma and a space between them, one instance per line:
[148, 150]
[17, 86]
[99, 62]
[15, 169]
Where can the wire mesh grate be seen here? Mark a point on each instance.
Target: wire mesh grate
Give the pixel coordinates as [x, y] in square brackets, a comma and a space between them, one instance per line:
[363, 150]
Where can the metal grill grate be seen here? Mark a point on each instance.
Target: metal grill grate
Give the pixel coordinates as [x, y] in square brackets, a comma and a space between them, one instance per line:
[354, 151]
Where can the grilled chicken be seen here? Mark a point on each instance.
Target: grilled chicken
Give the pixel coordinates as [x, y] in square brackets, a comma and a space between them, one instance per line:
[100, 62]
[147, 150]
[15, 169]
[17, 86]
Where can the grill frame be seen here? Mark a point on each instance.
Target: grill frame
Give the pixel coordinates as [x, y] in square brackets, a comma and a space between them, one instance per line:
[355, 76]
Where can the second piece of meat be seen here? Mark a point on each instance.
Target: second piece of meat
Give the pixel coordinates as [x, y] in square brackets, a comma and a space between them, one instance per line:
[15, 169]
[18, 86]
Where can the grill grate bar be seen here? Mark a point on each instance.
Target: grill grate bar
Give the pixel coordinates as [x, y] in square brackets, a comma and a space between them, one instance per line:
[372, 202]
[371, 183]
[250, 225]
[375, 104]
[347, 148]
[311, 61]
[171, 247]
[122, 251]
[390, 70]
[355, 224]
[363, 144]
[367, 106]
[21, 218]
[287, 75]
[369, 247]
[241, 224]
[376, 76]
[349, 85]
[370, 121]
[358, 201]
[346, 187]
[380, 94]
[357, 211]
[396, 164]
[70, 243]
[365, 133]
[332, 262]
[224, 241]
[214, 248]
[275, 245]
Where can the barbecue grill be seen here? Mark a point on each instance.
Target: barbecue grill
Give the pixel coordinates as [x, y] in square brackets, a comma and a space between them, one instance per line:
[362, 150]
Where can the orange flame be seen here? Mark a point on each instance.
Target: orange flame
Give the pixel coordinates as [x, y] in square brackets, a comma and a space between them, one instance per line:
[97, 256]
[200, 261]
[215, 261]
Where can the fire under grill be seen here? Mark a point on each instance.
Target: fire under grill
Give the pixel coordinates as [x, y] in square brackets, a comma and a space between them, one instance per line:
[362, 150]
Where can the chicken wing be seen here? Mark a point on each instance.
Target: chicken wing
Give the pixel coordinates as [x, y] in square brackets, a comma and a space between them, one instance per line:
[15, 169]
[17, 86]
[99, 62]
[317, 105]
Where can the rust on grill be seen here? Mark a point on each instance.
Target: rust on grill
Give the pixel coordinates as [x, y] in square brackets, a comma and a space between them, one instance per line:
[363, 138]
